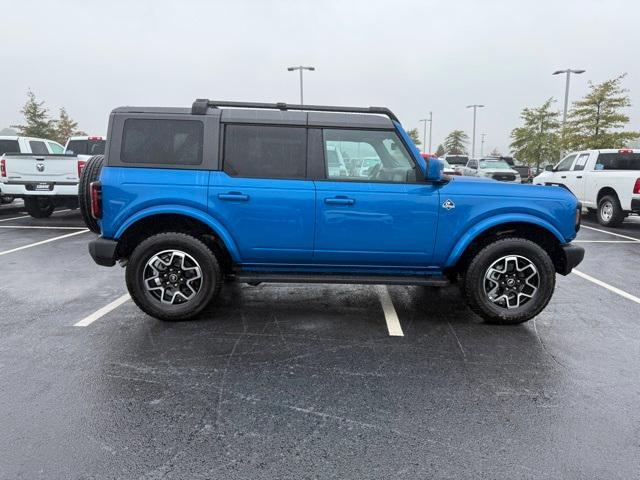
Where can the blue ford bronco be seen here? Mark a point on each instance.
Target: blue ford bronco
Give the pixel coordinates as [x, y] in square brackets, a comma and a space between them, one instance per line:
[258, 192]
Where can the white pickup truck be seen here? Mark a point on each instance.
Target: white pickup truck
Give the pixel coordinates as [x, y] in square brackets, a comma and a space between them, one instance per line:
[607, 182]
[38, 171]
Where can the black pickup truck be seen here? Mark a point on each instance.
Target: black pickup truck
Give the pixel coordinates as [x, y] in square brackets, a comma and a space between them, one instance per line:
[525, 171]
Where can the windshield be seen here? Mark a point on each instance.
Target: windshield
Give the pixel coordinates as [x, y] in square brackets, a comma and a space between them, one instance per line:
[457, 160]
[86, 147]
[446, 164]
[494, 164]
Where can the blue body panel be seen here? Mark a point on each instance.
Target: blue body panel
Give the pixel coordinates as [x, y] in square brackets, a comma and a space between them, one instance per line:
[331, 226]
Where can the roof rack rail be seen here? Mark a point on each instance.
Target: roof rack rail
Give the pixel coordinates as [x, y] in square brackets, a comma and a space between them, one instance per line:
[201, 105]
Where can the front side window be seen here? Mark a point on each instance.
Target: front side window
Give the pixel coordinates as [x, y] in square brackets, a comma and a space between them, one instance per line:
[565, 165]
[261, 151]
[38, 147]
[366, 155]
[165, 142]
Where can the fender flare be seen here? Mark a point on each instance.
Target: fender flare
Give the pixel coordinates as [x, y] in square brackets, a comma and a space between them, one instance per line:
[212, 223]
[479, 228]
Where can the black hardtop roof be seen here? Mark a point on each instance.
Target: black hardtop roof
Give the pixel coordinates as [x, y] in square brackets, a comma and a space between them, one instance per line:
[280, 113]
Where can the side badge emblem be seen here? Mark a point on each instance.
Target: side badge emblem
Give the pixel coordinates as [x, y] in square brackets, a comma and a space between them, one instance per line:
[448, 204]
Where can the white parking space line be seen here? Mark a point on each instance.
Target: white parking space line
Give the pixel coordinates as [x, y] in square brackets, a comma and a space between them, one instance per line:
[27, 216]
[42, 228]
[103, 311]
[605, 241]
[17, 249]
[611, 233]
[611, 288]
[390, 315]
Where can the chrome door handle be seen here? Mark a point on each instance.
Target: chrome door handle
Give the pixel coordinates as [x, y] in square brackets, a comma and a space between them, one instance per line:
[339, 201]
[233, 196]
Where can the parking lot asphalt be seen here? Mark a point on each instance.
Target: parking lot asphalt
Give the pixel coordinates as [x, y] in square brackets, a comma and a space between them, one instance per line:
[305, 381]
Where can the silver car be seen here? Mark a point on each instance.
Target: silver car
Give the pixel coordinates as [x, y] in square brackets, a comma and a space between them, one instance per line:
[494, 168]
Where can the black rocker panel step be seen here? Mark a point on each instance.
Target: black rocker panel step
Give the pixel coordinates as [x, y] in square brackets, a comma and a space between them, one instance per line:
[257, 277]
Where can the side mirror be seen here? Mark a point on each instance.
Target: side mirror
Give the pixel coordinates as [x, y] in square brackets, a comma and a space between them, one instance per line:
[435, 169]
[549, 168]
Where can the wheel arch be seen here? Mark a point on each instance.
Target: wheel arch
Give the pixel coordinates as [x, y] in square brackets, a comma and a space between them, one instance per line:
[176, 219]
[606, 191]
[525, 226]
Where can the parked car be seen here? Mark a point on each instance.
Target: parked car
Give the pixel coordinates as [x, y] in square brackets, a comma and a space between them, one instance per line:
[38, 171]
[457, 162]
[188, 197]
[494, 168]
[447, 169]
[85, 146]
[525, 171]
[335, 163]
[606, 181]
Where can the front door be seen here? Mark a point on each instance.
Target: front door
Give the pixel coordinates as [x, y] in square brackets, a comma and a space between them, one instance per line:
[376, 215]
[575, 176]
[262, 196]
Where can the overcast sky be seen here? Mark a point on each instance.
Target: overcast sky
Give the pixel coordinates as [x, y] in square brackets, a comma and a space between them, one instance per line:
[412, 56]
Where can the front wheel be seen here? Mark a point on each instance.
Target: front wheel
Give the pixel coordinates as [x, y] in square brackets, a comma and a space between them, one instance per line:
[509, 281]
[39, 207]
[173, 276]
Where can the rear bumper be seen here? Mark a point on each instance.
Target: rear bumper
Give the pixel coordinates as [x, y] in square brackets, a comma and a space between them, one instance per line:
[22, 190]
[635, 205]
[103, 251]
[571, 256]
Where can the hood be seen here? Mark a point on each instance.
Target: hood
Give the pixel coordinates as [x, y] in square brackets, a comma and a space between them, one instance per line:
[488, 187]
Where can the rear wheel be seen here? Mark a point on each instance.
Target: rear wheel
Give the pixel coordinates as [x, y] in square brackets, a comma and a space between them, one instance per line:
[509, 281]
[173, 276]
[610, 213]
[90, 173]
[39, 207]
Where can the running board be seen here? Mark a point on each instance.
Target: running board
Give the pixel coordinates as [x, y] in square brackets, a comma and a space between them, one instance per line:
[259, 277]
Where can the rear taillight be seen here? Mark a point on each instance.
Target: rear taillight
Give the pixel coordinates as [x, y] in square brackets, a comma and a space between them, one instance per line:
[95, 190]
[81, 164]
[636, 187]
[94, 139]
[3, 168]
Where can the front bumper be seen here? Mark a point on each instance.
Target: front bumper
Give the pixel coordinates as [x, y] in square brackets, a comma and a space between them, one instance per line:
[570, 257]
[103, 251]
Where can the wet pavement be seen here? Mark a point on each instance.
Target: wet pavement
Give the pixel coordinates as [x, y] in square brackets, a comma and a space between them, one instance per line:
[296, 382]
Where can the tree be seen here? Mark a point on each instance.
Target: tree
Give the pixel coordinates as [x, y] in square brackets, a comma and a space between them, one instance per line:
[415, 136]
[37, 121]
[65, 127]
[538, 139]
[456, 143]
[596, 120]
[495, 152]
[440, 151]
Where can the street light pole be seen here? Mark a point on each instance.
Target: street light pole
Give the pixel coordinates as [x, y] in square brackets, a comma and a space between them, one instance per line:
[301, 68]
[475, 107]
[568, 73]
[424, 132]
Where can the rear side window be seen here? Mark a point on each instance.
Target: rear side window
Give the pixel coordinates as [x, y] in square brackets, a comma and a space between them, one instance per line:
[618, 161]
[9, 146]
[164, 142]
[37, 147]
[265, 151]
[581, 162]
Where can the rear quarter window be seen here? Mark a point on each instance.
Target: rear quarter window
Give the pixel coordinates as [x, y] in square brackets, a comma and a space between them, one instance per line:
[618, 161]
[162, 142]
[9, 146]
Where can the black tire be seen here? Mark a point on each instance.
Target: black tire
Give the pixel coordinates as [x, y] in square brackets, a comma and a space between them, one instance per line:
[90, 173]
[474, 282]
[610, 213]
[148, 302]
[39, 207]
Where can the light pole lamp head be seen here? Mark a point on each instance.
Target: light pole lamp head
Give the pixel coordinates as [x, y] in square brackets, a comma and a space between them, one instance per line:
[291, 69]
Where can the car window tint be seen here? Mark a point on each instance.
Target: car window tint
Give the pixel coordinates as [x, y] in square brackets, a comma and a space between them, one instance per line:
[38, 147]
[565, 165]
[623, 160]
[159, 141]
[581, 162]
[9, 146]
[366, 155]
[265, 151]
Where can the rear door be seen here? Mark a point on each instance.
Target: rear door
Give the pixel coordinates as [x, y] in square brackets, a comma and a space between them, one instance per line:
[378, 217]
[262, 196]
